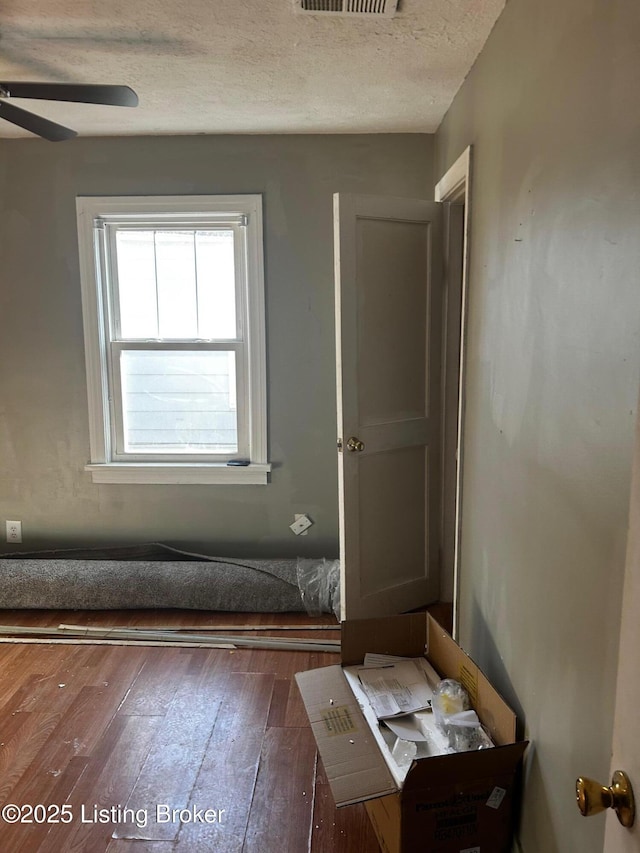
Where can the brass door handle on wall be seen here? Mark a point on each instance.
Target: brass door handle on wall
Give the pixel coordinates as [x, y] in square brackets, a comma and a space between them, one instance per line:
[354, 444]
[593, 797]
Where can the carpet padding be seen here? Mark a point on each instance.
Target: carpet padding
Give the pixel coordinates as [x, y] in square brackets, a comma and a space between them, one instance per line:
[147, 576]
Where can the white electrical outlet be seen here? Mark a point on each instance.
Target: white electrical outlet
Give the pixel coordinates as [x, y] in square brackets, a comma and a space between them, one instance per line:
[300, 525]
[14, 531]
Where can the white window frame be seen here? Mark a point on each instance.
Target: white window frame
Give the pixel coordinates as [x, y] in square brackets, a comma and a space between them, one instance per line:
[93, 214]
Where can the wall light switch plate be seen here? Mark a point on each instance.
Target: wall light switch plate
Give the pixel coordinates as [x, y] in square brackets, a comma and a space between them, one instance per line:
[301, 524]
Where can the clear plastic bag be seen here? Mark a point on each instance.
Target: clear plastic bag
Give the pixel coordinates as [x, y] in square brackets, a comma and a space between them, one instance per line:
[319, 584]
[466, 733]
[453, 714]
[449, 697]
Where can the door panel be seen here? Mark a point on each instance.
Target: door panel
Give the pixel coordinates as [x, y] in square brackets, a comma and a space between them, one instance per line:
[400, 541]
[388, 312]
[392, 298]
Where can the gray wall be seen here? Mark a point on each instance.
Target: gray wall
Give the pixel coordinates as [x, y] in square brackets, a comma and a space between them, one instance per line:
[43, 409]
[551, 108]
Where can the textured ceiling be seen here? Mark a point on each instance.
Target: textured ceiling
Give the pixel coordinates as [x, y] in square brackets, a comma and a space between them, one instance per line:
[244, 66]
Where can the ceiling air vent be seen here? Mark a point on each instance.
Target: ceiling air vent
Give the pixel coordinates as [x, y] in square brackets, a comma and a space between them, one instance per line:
[384, 8]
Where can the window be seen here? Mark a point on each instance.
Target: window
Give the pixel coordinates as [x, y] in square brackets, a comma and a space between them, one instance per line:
[173, 304]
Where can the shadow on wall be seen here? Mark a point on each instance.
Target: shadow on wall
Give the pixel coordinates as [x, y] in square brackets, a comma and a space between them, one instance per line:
[532, 789]
[531, 780]
[489, 660]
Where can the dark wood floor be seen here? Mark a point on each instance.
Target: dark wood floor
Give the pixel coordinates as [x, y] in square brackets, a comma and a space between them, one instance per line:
[130, 727]
[105, 729]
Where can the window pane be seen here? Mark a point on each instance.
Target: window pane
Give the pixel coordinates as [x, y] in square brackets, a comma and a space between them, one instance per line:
[137, 284]
[179, 402]
[177, 284]
[176, 275]
[216, 284]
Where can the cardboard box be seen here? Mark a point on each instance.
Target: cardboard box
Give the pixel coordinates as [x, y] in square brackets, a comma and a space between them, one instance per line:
[461, 803]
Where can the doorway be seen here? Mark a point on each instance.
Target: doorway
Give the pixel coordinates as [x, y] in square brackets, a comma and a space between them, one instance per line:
[454, 189]
[412, 483]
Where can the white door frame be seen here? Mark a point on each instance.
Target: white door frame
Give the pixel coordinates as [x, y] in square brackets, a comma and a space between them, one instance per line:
[455, 187]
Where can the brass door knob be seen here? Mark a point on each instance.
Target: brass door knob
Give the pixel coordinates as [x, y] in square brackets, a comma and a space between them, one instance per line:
[593, 797]
[354, 444]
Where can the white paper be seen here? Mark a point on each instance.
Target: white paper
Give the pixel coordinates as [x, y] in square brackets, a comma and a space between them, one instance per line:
[371, 659]
[496, 798]
[407, 728]
[378, 731]
[397, 688]
[422, 729]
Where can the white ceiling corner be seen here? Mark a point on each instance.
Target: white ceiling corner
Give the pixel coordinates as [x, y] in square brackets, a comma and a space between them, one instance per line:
[244, 66]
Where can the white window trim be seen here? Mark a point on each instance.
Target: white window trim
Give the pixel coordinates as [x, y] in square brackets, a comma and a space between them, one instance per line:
[101, 467]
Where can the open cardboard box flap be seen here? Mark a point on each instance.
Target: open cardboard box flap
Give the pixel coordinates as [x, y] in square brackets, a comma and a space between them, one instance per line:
[355, 767]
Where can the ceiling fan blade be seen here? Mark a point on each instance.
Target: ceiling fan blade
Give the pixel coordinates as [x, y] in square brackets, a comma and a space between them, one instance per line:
[35, 124]
[117, 96]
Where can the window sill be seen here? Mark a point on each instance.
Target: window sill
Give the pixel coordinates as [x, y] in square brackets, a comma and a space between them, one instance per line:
[161, 473]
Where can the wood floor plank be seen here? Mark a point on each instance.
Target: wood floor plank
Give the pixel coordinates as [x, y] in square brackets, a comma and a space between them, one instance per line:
[56, 689]
[239, 660]
[155, 618]
[227, 777]
[292, 714]
[281, 811]
[113, 788]
[26, 839]
[20, 700]
[37, 618]
[6, 654]
[205, 660]
[56, 838]
[89, 716]
[120, 667]
[155, 685]
[10, 720]
[278, 709]
[78, 732]
[172, 766]
[96, 655]
[24, 664]
[19, 750]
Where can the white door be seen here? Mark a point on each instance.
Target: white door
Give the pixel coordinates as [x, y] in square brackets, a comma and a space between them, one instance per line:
[388, 328]
[626, 726]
